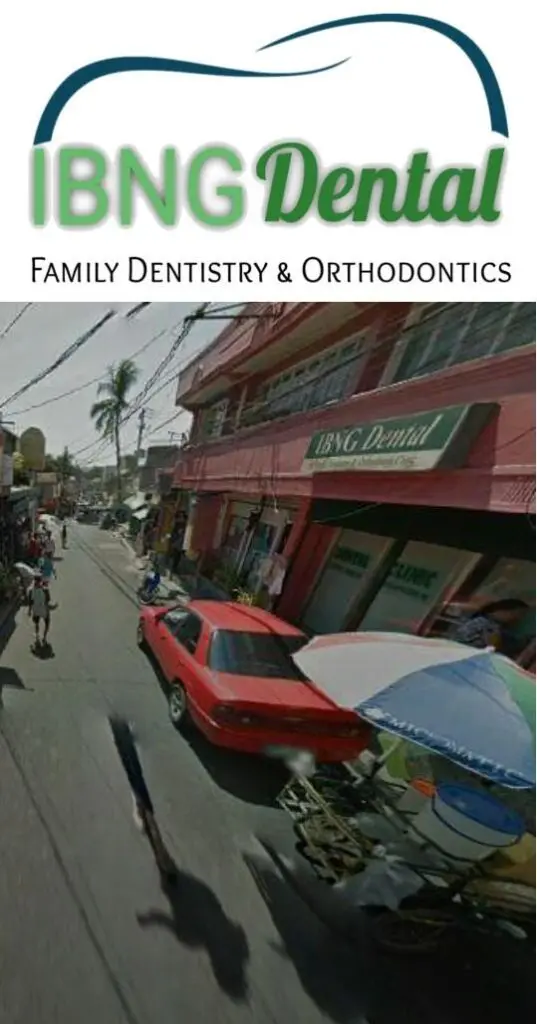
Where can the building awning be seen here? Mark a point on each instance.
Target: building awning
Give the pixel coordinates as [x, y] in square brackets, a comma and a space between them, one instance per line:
[141, 514]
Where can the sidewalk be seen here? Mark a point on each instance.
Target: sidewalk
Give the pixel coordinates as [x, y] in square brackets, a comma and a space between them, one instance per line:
[188, 585]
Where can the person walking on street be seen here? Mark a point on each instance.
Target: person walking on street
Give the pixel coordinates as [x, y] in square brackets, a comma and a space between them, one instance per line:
[39, 608]
[49, 546]
[34, 550]
[64, 534]
[47, 568]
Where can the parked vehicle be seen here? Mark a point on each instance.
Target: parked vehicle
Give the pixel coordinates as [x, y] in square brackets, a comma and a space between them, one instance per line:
[149, 591]
[229, 671]
[107, 521]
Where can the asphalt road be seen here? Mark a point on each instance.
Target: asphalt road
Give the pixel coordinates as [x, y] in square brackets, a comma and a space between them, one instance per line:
[86, 932]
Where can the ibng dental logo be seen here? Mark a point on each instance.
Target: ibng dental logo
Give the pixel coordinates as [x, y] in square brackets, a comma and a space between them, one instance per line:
[291, 171]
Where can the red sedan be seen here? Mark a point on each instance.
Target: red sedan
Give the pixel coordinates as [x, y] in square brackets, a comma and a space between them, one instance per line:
[229, 671]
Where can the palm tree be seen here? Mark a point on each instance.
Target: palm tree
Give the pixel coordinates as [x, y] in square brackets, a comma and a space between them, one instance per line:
[109, 411]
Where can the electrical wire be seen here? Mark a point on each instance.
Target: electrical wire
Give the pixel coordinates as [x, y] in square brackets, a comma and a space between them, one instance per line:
[160, 426]
[149, 398]
[89, 383]
[148, 391]
[15, 320]
[141, 398]
[65, 355]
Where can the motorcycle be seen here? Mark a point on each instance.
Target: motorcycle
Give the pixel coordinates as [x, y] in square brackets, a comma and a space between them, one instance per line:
[149, 589]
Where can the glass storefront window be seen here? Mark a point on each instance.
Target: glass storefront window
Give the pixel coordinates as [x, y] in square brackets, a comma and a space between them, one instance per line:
[260, 547]
[235, 535]
[353, 560]
[511, 577]
[415, 584]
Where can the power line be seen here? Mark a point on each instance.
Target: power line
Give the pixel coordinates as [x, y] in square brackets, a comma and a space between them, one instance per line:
[187, 322]
[89, 383]
[170, 419]
[140, 398]
[136, 310]
[15, 319]
[149, 397]
[65, 355]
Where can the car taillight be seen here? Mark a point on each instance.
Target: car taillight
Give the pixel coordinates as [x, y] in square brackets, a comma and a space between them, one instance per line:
[227, 714]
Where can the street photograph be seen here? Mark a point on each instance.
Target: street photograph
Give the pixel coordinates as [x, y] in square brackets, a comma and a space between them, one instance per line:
[267, 662]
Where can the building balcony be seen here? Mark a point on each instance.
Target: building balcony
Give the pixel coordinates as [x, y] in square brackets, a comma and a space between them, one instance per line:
[250, 345]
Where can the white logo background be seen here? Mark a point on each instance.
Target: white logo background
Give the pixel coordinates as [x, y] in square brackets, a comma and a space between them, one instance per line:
[404, 88]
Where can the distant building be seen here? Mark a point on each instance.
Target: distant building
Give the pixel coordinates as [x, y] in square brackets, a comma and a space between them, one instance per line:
[158, 459]
[8, 447]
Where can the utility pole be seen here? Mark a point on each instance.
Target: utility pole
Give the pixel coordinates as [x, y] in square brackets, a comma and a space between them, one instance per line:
[141, 430]
[139, 442]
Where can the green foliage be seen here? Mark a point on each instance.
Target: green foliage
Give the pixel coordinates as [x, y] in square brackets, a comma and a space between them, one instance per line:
[110, 408]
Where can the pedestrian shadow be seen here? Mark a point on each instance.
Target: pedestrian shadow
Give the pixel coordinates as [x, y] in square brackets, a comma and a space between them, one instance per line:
[10, 679]
[43, 651]
[197, 919]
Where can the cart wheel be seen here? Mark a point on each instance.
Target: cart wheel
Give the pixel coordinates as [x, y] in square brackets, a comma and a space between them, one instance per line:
[413, 931]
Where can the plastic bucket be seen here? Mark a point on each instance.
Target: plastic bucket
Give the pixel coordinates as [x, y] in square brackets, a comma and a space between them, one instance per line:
[467, 824]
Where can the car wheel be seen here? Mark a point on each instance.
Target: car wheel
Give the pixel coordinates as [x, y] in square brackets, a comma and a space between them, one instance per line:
[140, 636]
[178, 707]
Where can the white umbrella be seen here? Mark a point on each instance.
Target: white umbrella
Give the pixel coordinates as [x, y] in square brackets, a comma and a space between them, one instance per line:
[472, 706]
[26, 572]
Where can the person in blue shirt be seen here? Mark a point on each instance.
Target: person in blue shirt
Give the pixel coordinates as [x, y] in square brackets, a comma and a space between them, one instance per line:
[47, 568]
[491, 625]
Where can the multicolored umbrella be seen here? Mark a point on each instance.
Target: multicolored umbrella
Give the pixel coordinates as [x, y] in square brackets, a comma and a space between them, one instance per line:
[475, 707]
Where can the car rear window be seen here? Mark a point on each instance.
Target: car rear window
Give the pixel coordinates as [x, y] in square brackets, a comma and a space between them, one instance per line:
[266, 655]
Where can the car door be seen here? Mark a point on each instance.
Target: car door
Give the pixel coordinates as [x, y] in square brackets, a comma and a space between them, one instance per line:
[187, 635]
[167, 650]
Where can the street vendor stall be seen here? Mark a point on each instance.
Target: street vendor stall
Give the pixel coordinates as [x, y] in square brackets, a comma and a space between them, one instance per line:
[433, 851]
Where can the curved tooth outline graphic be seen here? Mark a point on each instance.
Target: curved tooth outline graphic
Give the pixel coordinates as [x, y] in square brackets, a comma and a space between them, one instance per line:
[116, 65]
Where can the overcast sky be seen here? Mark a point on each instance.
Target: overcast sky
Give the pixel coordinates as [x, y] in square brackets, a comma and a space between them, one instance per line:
[44, 330]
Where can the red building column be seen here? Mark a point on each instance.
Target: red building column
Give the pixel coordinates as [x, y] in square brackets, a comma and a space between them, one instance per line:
[298, 530]
[309, 558]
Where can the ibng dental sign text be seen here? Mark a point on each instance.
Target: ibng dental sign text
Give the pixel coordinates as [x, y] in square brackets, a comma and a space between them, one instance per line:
[81, 187]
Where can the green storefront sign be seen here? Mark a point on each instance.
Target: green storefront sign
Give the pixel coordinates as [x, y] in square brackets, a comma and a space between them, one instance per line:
[441, 438]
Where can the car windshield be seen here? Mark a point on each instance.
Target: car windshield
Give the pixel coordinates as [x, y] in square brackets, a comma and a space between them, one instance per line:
[266, 655]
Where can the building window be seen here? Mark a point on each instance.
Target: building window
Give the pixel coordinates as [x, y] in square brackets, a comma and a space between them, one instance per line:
[236, 531]
[507, 578]
[415, 584]
[448, 334]
[260, 547]
[348, 572]
[317, 381]
[213, 419]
